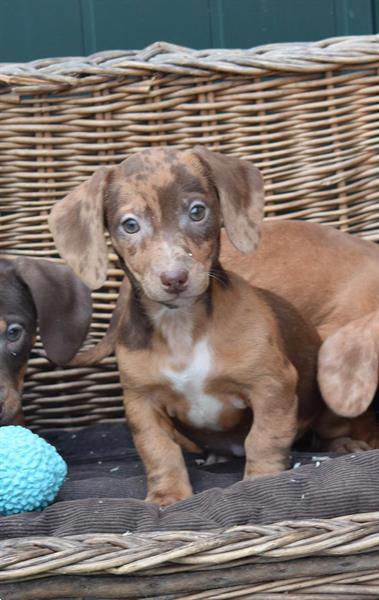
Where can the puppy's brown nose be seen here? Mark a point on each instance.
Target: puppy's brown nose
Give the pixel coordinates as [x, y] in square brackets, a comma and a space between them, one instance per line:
[174, 281]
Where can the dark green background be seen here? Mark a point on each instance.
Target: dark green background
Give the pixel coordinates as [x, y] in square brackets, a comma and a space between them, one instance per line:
[32, 29]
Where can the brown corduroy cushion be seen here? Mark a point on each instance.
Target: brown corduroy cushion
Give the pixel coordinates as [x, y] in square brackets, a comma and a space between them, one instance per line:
[106, 485]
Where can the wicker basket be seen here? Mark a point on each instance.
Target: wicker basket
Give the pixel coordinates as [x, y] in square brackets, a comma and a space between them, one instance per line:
[308, 116]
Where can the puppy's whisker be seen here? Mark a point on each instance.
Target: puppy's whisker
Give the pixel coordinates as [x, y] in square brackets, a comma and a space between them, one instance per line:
[219, 279]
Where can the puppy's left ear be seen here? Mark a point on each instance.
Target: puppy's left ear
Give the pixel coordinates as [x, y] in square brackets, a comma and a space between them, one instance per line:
[63, 305]
[239, 185]
[348, 364]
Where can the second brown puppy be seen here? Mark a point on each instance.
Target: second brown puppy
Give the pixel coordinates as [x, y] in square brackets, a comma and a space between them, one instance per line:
[200, 351]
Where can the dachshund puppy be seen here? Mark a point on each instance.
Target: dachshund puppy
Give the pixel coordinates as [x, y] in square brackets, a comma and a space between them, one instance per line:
[332, 279]
[203, 355]
[31, 292]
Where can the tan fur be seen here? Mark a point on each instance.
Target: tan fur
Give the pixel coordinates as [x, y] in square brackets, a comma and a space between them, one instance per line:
[197, 364]
[243, 226]
[332, 278]
[348, 366]
[88, 253]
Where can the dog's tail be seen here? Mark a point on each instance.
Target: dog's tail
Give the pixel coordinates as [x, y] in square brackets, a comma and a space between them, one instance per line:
[95, 354]
[106, 346]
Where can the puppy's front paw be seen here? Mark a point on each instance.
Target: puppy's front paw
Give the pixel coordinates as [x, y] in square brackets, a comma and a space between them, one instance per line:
[346, 445]
[167, 497]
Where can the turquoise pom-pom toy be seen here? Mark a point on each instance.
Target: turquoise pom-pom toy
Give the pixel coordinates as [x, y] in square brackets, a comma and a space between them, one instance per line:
[31, 471]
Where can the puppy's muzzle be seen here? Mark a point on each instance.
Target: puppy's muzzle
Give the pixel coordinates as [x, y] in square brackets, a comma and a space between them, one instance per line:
[174, 282]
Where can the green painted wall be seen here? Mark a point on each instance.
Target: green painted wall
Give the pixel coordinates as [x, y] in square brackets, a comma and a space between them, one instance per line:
[32, 29]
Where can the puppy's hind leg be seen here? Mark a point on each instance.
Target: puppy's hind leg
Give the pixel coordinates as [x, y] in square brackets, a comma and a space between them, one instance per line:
[340, 435]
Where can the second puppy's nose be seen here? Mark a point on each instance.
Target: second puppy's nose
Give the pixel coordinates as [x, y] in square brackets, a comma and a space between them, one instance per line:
[174, 281]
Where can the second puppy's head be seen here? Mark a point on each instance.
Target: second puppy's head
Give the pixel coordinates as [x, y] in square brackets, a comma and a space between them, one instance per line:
[163, 209]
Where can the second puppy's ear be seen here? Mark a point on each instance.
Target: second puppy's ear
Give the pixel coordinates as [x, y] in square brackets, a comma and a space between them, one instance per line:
[239, 185]
[77, 225]
[348, 366]
[63, 304]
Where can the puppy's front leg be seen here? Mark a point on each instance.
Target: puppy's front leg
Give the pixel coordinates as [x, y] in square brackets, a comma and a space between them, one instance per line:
[274, 404]
[153, 436]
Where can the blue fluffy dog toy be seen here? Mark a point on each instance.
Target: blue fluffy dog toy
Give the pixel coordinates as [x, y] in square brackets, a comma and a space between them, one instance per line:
[31, 471]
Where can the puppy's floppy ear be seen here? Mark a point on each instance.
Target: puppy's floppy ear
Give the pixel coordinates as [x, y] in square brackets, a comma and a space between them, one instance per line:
[63, 305]
[348, 366]
[77, 225]
[239, 186]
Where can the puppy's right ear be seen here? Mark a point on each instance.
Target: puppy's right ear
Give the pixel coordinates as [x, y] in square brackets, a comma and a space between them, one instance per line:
[63, 305]
[348, 364]
[77, 225]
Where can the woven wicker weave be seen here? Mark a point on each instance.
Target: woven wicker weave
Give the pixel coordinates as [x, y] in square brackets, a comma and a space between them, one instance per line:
[308, 116]
[262, 562]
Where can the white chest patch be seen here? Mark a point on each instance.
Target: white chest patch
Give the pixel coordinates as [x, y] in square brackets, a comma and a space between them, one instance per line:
[204, 409]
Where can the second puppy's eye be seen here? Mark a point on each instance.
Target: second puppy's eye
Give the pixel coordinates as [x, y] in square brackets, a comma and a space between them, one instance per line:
[14, 332]
[197, 211]
[130, 225]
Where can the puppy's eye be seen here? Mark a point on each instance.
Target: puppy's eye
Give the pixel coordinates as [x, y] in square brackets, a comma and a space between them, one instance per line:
[197, 211]
[130, 225]
[14, 332]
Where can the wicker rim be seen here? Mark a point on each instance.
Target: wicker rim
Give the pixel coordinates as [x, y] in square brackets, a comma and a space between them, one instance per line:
[154, 553]
[306, 57]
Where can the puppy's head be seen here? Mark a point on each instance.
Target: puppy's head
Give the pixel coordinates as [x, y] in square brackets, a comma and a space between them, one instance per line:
[163, 209]
[34, 291]
[18, 322]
